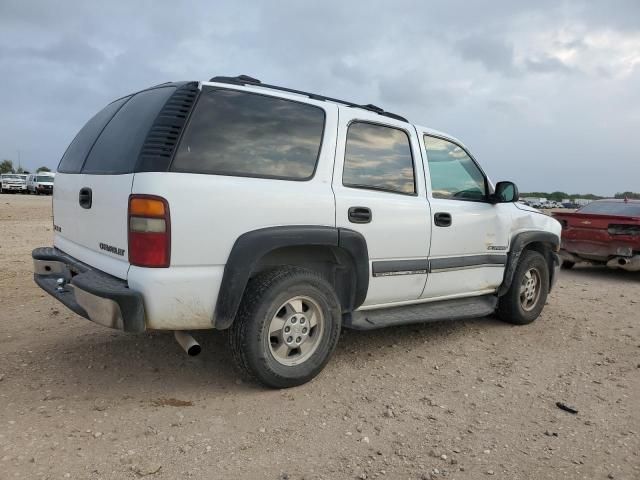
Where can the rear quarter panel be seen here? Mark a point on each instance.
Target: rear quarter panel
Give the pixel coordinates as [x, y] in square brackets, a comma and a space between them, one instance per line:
[208, 213]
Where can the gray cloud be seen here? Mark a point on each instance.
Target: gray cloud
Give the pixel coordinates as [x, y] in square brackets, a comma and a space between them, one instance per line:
[495, 54]
[544, 93]
[547, 65]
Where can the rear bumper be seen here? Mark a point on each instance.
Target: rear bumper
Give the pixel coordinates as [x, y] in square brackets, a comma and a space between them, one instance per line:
[89, 292]
[599, 251]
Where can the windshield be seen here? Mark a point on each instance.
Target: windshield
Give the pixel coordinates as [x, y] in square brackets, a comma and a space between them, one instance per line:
[44, 178]
[620, 209]
[13, 177]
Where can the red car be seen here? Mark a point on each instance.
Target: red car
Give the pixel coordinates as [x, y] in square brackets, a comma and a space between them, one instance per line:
[603, 232]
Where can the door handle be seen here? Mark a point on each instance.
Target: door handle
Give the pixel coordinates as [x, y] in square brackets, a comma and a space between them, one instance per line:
[360, 215]
[85, 197]
[442, 219]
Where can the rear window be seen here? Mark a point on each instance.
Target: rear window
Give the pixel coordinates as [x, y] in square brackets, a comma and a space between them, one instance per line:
[620, 209]
[117, 148]
[77, 151]
[245, 134]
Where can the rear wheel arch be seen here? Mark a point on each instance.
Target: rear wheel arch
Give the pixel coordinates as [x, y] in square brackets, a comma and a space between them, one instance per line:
[545, 243]
[339, 255]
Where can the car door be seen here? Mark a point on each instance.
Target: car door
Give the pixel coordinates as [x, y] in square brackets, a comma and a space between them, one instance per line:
[380, 192]
[470, 235]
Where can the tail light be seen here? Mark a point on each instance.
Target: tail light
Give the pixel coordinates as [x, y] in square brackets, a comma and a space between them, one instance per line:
[149, 231]
[624, 229]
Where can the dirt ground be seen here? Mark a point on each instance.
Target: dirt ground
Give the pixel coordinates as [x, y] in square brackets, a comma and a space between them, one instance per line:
[456, 400]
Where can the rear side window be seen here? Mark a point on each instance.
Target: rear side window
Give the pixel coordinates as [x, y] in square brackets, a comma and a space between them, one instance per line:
[77, 151]
[117, 148]
[246, 134]
[379, 158]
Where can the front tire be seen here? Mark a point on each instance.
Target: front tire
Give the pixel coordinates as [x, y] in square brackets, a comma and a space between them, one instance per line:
[526, 297]
[287, 327]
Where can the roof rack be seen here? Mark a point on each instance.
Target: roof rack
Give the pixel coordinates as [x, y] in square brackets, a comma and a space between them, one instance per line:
[247, 80]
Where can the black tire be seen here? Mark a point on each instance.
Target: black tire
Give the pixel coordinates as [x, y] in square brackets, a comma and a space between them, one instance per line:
[567, 265]
[511, 306]
[249, 338]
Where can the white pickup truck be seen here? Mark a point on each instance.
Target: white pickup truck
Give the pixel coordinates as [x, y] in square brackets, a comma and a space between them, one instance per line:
[283, 216]
[13, 182]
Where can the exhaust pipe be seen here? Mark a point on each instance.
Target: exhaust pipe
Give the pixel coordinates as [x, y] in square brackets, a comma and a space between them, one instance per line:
[188, 343]
[569, 257]
[631, 264]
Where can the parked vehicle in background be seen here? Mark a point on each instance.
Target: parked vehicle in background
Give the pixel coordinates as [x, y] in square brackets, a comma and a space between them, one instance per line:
[40, 183]
[605, 232]
[283, 216]
[13, 182]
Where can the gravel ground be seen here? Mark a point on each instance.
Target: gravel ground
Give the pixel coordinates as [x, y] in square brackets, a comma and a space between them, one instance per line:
[457, 400]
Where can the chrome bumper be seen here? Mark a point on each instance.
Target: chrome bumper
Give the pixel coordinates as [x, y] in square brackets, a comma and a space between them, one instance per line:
[89, 292]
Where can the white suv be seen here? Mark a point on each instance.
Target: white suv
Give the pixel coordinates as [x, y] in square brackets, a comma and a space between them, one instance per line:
[40, 183]
[283, 216]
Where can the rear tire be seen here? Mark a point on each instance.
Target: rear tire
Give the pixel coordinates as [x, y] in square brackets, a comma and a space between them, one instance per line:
[287, 327]
[526, 297]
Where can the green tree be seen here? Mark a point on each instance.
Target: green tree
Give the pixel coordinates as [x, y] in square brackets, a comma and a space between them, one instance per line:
[43, 169]
[21, 170]
[6, 166]
[629, 195]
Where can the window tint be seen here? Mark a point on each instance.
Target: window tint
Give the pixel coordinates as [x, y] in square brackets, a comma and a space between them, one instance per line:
[77, 151]
[454, 174]
[378, 157]
[117, 148]
[245, 134]
[621, 209]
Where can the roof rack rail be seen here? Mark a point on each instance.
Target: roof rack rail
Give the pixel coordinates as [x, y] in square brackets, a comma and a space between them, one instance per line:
[247, 80]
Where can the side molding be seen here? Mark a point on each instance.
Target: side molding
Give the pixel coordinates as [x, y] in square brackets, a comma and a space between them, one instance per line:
[250, 247]
[519, 243]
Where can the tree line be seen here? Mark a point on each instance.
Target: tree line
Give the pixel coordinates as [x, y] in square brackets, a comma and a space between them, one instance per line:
[6, 166]
[559, 196]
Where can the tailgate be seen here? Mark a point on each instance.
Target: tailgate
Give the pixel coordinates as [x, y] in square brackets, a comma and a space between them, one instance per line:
[96, 235]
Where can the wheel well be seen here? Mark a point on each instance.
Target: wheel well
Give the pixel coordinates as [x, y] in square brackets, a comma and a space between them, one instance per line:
[335, 264]
[546, 250]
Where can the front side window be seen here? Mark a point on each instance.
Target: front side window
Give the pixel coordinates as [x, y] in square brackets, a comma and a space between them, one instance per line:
[251, 135]
[454, 175]
[379, 158]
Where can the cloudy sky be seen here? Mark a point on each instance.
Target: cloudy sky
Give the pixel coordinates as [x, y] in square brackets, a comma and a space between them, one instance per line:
[545, 93]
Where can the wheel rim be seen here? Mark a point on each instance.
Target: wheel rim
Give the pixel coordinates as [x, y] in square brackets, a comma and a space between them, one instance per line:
[530, 289]
[295, 330]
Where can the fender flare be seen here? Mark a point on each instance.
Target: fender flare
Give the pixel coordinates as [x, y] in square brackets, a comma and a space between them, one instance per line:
[518, 244]
[250, 247]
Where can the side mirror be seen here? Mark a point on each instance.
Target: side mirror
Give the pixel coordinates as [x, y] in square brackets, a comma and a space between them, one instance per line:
[506, 192]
